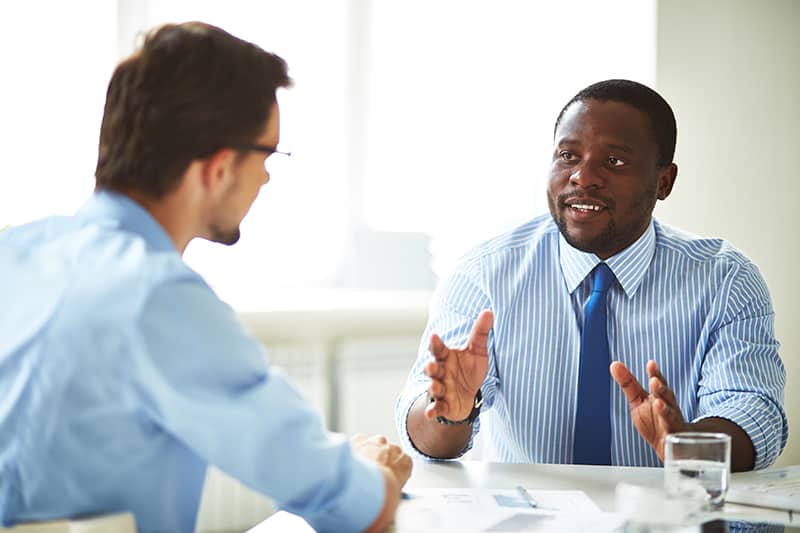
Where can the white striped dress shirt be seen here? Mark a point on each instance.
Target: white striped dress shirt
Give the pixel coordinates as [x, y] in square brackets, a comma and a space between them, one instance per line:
[697, 306]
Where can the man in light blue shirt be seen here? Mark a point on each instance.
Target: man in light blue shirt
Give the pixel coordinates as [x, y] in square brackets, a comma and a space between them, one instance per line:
[691, 317]
[122, 375]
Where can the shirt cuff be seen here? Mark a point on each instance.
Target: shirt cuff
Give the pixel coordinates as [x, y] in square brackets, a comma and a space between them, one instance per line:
[359, 502]
[767, 450]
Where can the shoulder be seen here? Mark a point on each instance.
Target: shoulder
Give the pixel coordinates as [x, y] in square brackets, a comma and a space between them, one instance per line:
[107, 273]
[694, 249]
[520, 242]
[37, 231]
[714, 261]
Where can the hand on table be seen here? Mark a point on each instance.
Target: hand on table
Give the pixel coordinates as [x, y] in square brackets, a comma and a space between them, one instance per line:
[457, 373]
[377, 448]
[654, 414]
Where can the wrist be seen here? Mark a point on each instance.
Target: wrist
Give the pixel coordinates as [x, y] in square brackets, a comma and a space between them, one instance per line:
[477, 403]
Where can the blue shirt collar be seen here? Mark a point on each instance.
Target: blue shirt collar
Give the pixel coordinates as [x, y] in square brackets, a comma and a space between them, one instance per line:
[629, 266]
[117, 210]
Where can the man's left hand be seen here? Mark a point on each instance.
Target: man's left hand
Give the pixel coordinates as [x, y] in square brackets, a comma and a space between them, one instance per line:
[655, 414]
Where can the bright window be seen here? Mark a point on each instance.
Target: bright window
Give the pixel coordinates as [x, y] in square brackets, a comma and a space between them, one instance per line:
[418, 128]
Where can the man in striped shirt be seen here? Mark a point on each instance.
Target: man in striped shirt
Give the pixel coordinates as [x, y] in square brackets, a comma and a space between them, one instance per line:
[689, 320]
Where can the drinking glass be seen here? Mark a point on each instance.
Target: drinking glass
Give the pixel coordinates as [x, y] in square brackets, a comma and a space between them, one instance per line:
[693, 460]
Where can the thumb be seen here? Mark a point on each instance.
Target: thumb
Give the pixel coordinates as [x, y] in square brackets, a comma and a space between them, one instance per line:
[479, 337]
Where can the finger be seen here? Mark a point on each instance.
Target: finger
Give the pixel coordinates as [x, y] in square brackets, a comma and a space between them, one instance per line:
[433, 369]
[436, 408]
[378, 439]
[437, 389]
[438, 348]
[670, 418]
[479, 337]
[358, 437]
[660, 390]
[633, 390]
[653, 371]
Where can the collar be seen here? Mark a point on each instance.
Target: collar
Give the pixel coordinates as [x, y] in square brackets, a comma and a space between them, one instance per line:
[117, 210]
[629, 266]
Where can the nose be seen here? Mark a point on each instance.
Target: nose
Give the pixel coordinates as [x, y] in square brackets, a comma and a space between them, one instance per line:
[584, 176]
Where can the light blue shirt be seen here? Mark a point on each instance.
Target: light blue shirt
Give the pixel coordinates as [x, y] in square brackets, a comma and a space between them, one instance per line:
[696, 306]
[122, 375]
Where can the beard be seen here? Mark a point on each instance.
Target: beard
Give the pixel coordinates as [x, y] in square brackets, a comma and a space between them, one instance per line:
[613, 238]
[597, 244]
[228, 237]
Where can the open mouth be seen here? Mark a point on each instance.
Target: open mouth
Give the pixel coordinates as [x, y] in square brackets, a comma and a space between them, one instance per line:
[586, 208]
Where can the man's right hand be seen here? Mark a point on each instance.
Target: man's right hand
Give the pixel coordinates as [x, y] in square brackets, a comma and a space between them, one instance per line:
[386, 454]
[396, 468]
[457, 373]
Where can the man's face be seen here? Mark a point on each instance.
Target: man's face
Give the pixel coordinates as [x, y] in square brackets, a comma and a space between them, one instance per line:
[250, 175]
[604, 177]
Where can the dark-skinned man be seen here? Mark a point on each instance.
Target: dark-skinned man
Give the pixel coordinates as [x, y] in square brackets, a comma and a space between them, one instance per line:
[587, 335]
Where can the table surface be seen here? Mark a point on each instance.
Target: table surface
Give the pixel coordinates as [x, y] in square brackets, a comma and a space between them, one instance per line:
[598, 482]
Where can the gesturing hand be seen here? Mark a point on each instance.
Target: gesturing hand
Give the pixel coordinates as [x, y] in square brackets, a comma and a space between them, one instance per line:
[457, 374]
[654, 414]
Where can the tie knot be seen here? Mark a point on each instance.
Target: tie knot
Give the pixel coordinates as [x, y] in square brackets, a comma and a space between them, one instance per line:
[602, 278]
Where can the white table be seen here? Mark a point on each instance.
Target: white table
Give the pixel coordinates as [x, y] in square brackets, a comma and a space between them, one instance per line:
[598, 482]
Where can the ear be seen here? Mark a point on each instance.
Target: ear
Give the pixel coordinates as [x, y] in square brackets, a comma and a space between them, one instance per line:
[217, 169]
[666, 179]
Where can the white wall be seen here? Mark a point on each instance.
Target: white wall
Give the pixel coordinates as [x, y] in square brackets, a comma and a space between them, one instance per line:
[731, 71]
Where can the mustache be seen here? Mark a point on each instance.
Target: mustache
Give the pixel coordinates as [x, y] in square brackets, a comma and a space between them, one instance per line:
[573, 198]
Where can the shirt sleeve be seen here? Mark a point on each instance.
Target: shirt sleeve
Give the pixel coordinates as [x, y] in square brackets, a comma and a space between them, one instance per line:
[742, 377]
[206, 382]
[455, 306]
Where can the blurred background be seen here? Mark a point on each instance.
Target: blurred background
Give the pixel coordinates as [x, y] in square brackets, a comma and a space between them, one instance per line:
[418, 129]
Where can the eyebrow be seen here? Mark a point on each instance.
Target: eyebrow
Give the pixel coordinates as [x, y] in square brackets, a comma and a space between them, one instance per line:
[620, 147]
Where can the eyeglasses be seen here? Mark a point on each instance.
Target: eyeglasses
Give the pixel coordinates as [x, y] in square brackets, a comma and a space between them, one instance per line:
[269, 150]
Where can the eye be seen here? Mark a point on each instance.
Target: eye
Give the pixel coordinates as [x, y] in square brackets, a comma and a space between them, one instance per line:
[566, 155]
[615, 162]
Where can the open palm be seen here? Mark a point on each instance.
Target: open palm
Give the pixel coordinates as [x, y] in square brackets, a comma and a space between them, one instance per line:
[654, 414]
[457, 373]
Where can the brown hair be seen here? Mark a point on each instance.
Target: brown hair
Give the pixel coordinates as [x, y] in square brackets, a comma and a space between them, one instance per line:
[190, 90]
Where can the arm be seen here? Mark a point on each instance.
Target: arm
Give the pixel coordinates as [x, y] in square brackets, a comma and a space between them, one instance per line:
[456, 375]
[396, 469]
[740, 391]
[201, 379]
[743, 454]
[390, 503]
[436, 440]
[657, 413]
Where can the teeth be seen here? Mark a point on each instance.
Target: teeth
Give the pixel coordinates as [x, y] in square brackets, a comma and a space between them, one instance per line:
[586, 207]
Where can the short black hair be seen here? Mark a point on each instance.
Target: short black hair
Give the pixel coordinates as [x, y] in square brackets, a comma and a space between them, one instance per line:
[642, 98]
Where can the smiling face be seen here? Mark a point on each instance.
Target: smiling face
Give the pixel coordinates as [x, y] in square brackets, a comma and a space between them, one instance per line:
[604, 178]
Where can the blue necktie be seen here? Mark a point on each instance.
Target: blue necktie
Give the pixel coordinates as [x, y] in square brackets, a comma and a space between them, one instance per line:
[593, 416]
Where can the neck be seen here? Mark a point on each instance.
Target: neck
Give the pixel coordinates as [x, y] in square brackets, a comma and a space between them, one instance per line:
[173, 214]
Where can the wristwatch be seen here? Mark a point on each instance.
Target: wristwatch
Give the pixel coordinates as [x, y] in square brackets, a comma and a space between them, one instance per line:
[473, 415]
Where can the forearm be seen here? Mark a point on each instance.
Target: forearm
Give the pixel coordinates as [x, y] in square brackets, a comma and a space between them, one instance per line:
[743, 454]
[432, 438]
[390, 503]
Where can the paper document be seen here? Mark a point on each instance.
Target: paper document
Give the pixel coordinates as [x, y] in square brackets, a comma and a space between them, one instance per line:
[481, 510]
[484, 510]
[778, 488]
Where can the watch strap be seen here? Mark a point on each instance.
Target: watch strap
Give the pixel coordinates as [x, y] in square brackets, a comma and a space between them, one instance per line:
[473, 415]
